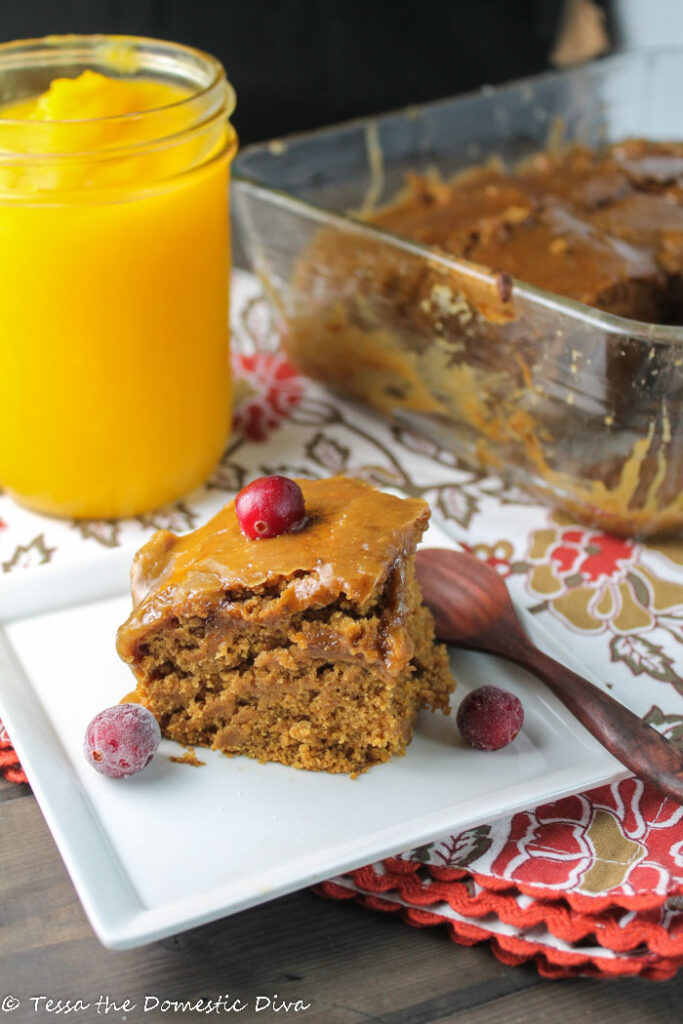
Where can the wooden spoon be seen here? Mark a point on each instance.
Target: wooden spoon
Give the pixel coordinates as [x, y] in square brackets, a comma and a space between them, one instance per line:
[472, 608]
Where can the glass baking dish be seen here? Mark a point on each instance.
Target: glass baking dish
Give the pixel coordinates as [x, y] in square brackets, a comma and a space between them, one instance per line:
[581, 408]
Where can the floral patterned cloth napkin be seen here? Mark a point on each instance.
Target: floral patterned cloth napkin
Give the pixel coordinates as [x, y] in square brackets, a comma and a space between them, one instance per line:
[590, 884]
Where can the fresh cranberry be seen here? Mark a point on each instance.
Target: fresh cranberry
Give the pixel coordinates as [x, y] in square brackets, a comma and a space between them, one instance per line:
[121, 740]
[489, 718]
[270, 505]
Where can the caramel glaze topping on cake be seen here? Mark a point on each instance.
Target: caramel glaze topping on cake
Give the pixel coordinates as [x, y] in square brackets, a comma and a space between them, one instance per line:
[311, 648]
[354, 538]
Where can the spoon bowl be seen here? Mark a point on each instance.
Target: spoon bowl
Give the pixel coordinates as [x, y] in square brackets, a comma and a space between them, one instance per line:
[472, 608]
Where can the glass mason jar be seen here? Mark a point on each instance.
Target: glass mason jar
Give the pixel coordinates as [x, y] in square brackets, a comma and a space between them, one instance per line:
[115, 392]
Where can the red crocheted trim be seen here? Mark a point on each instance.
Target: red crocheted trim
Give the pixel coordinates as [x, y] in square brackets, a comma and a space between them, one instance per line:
[581, 903]
[577, 901]
[609, 929]
[9, 763]
[638, 812]
[514, 950]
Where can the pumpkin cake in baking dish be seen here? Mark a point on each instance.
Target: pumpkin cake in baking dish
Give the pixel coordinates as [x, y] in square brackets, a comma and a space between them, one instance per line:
[311, 648]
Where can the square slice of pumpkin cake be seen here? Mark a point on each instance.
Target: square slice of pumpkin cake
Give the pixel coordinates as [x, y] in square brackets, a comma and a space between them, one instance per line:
[311, 647]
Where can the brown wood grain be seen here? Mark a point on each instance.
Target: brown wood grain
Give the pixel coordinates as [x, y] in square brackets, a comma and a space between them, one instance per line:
[629, 1001]
[351, 965]
[10, 790]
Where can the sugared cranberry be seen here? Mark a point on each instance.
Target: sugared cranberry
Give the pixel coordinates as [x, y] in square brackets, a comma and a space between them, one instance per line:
[489, 718]
[121, 740]
[270, 505]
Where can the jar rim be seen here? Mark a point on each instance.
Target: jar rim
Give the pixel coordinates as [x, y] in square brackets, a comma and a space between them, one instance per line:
[100, 41]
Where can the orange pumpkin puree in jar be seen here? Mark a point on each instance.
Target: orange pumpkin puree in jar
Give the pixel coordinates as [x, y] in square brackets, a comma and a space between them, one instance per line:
[114, 259]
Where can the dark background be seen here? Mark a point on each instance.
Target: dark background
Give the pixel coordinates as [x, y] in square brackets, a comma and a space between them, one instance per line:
[298, 64]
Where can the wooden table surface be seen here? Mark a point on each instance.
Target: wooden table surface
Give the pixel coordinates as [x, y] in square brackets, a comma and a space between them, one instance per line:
[347, 963]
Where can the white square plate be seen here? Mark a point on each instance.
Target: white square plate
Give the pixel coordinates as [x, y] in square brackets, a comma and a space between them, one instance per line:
[177, 846]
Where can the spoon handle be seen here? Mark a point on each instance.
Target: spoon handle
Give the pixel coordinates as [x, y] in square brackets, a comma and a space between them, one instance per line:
[637, 745]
